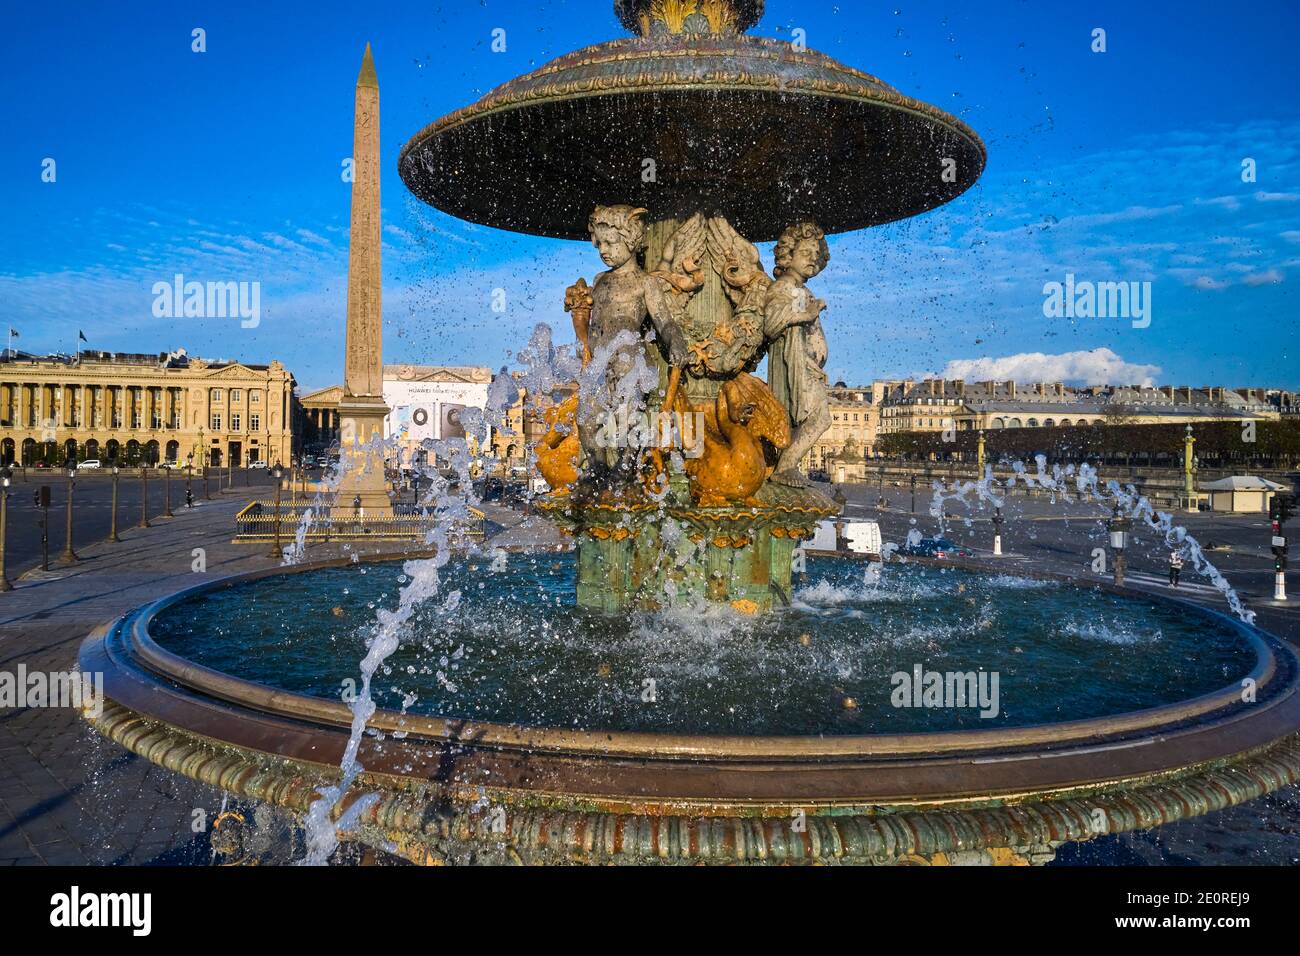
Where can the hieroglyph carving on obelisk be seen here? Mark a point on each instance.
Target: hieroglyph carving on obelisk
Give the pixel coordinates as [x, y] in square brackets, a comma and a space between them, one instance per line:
[363, 374]
[363, 486]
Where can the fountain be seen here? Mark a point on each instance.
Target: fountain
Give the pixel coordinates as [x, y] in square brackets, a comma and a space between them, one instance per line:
[685, 684]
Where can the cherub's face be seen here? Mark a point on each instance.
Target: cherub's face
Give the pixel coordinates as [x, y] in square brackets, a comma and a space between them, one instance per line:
[805, 258]
[611, 244]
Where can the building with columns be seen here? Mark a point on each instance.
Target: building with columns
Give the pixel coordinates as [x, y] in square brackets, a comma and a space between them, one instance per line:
[150, 408]
[319, 427]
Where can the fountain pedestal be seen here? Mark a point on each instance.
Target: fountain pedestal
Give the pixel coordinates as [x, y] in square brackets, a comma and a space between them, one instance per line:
[651, 555]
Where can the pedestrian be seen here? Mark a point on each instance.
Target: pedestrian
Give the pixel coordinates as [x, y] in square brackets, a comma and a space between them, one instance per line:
[1175, 567]
[189, 497]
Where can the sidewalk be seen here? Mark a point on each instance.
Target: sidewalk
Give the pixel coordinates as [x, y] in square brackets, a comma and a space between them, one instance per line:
[66, 795]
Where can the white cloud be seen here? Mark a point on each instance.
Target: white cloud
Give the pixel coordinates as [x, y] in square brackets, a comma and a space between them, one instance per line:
[1271, 277]
[1095, 367]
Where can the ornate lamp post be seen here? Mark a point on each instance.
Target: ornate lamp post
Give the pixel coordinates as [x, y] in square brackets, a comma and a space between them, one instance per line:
[5, 475]
[276, 472]
[914, 494]
[979, 456]
[1119, 526]
[112, 531]
[144, 494]
[997, 531]
[69, 555]
[167, 491]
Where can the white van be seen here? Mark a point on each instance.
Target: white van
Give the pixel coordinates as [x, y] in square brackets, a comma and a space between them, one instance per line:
[863, 537]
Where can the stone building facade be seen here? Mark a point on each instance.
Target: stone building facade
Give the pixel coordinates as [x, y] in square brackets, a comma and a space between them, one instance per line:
[133, 408]
[844, 447]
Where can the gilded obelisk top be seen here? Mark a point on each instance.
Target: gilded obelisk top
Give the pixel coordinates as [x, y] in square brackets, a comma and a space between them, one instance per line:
[367, 77]
[363, 370]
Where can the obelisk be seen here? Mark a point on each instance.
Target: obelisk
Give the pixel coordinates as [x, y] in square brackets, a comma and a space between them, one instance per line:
[362, 410]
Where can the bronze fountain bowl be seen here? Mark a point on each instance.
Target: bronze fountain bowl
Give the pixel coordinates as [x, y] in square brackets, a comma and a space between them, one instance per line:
[748, 128]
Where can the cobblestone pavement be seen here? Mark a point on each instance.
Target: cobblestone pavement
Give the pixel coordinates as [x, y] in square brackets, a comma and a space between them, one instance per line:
[69, 797]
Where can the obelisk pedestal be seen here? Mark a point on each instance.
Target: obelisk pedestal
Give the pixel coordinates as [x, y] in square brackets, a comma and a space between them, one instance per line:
[362, 409]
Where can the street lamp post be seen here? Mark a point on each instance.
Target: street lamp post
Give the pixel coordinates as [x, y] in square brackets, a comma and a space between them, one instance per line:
[70, 556]
[144, 494]
[167, 491]
[1280, 510]
[1119, 526]
[112, 532]
[5, 475]
[979, 457]
[997, 531]
[189, 472]
[914, 494]
[275, 473]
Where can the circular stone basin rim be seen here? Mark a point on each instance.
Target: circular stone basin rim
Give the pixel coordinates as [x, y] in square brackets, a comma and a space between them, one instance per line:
[260, 697]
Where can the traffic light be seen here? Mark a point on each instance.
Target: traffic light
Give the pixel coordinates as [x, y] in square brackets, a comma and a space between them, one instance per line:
[1281, 508]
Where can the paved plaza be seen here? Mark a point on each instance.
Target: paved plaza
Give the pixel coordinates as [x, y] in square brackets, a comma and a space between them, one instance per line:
[69, 797]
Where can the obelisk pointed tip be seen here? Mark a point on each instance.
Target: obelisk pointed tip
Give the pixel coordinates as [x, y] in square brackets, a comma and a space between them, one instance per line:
[368, 77]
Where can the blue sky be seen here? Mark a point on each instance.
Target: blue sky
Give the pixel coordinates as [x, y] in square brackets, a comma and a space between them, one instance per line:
[225, 165]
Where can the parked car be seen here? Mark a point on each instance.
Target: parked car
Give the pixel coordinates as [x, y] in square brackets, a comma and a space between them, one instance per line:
[257, 464]
[90, 464]
[171, 465]
[936, 548]
[490, 488]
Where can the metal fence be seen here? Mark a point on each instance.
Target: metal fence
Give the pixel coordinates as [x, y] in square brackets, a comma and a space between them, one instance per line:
[257, 522]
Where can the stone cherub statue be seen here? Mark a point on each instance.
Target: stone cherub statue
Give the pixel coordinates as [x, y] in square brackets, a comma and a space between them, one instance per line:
[627, 304]
[797, 350]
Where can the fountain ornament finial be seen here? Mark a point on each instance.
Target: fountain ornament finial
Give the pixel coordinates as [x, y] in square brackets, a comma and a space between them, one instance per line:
[669, 18]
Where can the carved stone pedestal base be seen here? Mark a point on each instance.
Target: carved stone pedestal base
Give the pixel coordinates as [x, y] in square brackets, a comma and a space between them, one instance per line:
[361, 423]
[648, 556]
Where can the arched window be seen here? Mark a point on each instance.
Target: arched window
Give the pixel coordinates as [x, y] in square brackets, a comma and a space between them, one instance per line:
[999, 423]
[1065, 423]
[1033, 423]
[1049, 423]
[1015, 423]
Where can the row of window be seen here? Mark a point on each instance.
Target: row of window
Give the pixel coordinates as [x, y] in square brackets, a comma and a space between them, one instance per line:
[236, 396]
[237, 422]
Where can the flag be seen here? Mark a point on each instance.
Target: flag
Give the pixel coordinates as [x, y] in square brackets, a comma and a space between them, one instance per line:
[13, 333]
[82, 335]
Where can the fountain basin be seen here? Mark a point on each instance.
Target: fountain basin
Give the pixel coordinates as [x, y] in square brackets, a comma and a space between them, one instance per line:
[486, 772]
